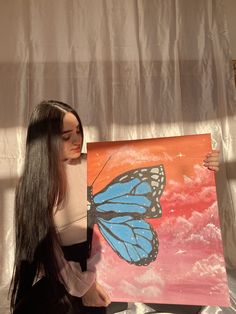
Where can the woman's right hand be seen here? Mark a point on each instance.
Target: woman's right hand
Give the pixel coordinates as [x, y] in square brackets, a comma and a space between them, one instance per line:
[96, 296]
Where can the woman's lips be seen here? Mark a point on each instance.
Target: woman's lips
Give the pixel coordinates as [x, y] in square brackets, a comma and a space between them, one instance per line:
[76, 148]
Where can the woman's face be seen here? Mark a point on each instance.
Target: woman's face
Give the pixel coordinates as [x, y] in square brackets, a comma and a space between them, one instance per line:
[71, 137]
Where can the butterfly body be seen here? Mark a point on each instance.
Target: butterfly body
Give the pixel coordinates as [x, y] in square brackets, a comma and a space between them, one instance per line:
[120, 210]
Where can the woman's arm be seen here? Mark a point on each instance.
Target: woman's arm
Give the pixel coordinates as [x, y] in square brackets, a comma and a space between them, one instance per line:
[81, 284]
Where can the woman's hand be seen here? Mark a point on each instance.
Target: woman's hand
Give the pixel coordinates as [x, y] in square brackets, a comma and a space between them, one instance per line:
[96, 296]
[212, 161]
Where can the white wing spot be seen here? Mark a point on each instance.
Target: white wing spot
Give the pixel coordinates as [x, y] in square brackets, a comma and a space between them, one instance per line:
[154, 183]
[155, 176]
[155, 170]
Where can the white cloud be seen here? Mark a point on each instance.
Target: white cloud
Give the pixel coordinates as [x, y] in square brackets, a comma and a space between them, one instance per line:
[125, 153]
[150, 276]
[128, 288]
[213, 266]
[151, 291]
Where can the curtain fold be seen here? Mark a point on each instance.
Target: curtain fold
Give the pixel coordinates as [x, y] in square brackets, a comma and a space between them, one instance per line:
[132, 69]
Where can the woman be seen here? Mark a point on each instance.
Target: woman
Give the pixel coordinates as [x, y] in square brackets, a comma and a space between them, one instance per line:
[53, 151]
[50, 208]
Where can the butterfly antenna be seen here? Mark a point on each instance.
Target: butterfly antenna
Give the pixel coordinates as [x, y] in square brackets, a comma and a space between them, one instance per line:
[101, 170]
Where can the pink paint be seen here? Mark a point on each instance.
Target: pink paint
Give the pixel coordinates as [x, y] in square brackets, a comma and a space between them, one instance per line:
[189, 268]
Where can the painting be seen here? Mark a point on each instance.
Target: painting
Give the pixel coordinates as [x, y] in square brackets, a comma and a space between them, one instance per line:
[156, 231]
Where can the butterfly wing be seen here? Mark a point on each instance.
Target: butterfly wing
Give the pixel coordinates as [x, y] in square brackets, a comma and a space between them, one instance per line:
[136, 191]
[120, 208]
[134, 240]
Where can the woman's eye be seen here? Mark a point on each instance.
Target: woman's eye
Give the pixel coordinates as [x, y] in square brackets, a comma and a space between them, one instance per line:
[66, 137]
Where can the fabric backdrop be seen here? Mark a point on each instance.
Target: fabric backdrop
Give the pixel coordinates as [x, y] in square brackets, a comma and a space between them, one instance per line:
[132, 69]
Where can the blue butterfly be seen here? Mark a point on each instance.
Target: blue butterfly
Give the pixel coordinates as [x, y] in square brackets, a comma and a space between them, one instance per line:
[120, 208]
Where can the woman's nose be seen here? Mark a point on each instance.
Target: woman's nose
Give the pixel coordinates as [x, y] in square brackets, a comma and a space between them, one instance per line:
[76, 138]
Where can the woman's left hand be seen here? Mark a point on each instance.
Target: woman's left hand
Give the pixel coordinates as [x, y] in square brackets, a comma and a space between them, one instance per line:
[96, 296]
[212, 160]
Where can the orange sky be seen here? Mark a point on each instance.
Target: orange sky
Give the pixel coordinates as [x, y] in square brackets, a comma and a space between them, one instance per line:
[178, 154]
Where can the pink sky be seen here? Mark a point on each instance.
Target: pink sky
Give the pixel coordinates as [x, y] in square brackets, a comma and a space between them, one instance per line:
[189, 268]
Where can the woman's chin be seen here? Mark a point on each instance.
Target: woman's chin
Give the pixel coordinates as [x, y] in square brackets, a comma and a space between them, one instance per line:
[73, 158]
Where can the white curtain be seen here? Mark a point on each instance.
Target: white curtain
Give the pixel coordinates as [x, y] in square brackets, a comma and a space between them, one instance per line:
[133, 69]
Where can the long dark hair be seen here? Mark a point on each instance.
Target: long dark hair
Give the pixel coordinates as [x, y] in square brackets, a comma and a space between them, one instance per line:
[41, 187]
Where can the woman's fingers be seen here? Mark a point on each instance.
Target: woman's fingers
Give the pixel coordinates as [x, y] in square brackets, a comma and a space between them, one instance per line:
[212, 160]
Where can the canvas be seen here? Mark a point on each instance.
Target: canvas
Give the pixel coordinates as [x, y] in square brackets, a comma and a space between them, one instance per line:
[156, 231]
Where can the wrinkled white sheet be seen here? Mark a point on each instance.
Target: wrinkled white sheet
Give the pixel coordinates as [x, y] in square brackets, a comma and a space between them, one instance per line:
[132, 69]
